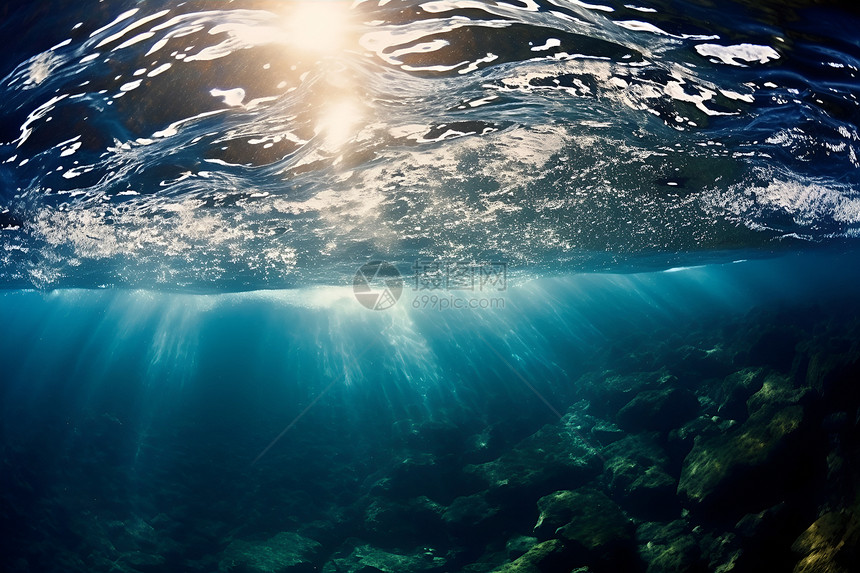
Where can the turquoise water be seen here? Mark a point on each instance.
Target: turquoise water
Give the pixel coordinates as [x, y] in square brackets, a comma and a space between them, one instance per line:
[162, 431]
[617, 329]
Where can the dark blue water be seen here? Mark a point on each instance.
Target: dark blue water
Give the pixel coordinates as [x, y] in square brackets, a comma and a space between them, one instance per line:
[619, 330]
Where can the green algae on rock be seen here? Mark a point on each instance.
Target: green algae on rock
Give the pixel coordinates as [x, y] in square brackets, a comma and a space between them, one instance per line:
[669, 547]
[831, 544]
[366, 558]
[555, 457]
[637, 476]
[749, 467]
[283, 553]
[594, 529]
[545, 556]
[658, 410]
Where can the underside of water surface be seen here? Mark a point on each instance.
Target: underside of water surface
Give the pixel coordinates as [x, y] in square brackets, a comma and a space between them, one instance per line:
[443, 286]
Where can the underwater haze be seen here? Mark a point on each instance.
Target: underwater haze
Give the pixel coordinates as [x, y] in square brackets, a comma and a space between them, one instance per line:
[442, 286]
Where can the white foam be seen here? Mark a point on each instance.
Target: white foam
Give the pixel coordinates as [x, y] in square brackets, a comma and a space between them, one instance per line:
[159, 70]
[550, 43]
[124, 16]
[130, 86]
[232, 97]
[734, 55]
[131, 27]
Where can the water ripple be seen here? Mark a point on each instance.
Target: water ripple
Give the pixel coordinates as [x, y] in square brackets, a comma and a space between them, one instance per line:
[278, 144]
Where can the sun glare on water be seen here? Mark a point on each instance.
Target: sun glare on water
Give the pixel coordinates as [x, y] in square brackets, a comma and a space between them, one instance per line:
[318, 26]
[338, 123]
[321, 29]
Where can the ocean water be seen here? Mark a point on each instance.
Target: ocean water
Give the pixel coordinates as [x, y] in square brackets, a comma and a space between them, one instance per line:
[391, 286]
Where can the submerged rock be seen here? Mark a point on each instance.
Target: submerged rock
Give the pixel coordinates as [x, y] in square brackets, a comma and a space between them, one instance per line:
[140, 561]
[721, 551]
[831, 544]
[644, 490]
[774, 346]
[691, 362]
[680, 441]
[832, 371]
[131, 535]
[658, 410]
[608, 391]
[284, 553]
[368, 559]
[669, 547]
[423, 474]
[735, 390]
[606, 432]
[776, 391]
[440, 438]
[636, 474]
[546, 557]
[766, 537]
[520, 545]
[397, 522]
[555, 457]
[469, 511]
[752, 466]
[593, 528]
